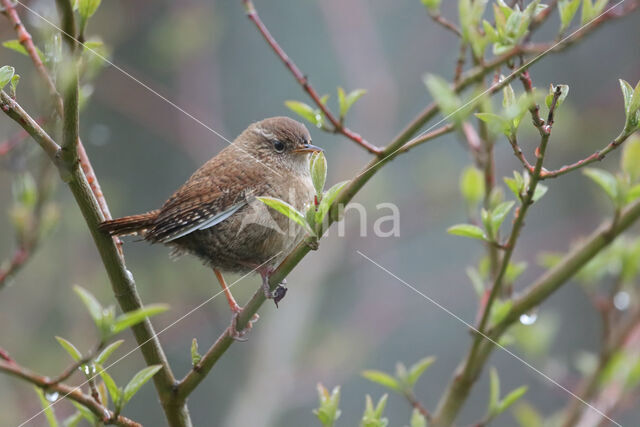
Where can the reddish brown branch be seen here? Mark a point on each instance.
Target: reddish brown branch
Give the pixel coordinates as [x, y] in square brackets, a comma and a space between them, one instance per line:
[337, 124]
[445, 23]
[10, 367]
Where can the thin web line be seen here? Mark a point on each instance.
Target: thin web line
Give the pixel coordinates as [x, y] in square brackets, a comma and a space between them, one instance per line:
[509, 352]
[79, 387]
[144, 85]
[509, 77]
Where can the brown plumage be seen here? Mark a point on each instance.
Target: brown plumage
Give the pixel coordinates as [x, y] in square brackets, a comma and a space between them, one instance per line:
[215, 215]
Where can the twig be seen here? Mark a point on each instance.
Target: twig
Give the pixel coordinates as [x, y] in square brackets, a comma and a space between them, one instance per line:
[121, 279]
[337, 124]
[72, 393]
[448, 25]
[416, 404]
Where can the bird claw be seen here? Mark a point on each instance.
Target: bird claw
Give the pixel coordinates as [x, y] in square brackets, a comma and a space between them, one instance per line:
[233, 331]
[277, 294]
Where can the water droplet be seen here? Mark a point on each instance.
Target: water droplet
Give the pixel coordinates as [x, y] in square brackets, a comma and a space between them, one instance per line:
[621, 300]
[529, 318]
[51, 396]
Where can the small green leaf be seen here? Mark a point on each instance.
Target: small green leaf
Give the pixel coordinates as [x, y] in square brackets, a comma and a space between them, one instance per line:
[47, 408]
[114, 391]
[372, 416]
[73, 420]
[86, 413]
[511, 398]
[134, 317]
[499, 214]
[472, 185]
[305, 111]
[567, 10]
[509, 96]
[287, 210]
[327, 200]
[443, 94]
[329, 411]
[346, 101]
[104, 354]
[631, 158]
[417, 419]
[497, 124]
[494, 391]
[605, 180]
[418, 369]
[87, 8]
[627, 93]
[92, 304]
[195, 356]
[383, 379]
[139, 380]
[634, 102]
[433, 6]
[634, 193]
[540, 191]
[16, 46]
[527, 415]
[318, 171]
[70, 348]
[6, 74]
[14, 85]
[500, 310]
[564, 91]
[476, 281]
[467, 230]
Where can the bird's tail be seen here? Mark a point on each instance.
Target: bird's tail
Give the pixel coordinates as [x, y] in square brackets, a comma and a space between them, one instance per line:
[134, 224]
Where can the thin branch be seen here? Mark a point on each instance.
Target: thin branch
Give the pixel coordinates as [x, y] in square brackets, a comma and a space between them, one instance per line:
[73, 393]
[445, 23]
[338, 126]
[443, 130]
[121, 279]
[27, 42]
[595, 157]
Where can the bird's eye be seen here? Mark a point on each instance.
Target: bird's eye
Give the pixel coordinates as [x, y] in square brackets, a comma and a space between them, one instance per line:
[278, 145]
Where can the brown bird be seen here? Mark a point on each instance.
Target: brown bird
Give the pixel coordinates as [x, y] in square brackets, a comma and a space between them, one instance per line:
[215, 215]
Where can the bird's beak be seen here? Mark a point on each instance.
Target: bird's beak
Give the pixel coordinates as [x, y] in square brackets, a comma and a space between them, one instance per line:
[308, 148]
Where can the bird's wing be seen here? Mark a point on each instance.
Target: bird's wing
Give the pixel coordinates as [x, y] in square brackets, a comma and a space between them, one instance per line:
[198, 205]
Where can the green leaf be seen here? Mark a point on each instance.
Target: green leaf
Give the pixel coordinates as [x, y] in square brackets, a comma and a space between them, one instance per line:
[383, 379]
[527, 415]
[318, 171]
[14, 85]
[104, 354]
[372, 416]
[433, 6]
[634, 102]
[327, 200]
[114, 391]
[328, 412]
[634, 193]
[287, 210]
[540, 191]
[134, 317]
[139, 380]
[476, 281]
[86, 413]
[305, 111]
[500, 310]
[417, 419]
[73, 420]
[87, 8]
[70, 348]
[515, 184]
[497, 124]
[627, 93]
[16, 46]
[567, 9]
[6, 74]
[443, 95]
[564, 91]
[631, 158]
[195, 356]
[511, 398]
[472, 185]
[494, 392]
[47, 408]
[346, 101]
[418, 369]
[499, 214]
[467, 230]
[92, 304]
[508, 96]
[605, 180]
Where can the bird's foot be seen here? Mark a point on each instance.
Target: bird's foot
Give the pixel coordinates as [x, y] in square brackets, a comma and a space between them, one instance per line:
[278, 293]
[232, 330]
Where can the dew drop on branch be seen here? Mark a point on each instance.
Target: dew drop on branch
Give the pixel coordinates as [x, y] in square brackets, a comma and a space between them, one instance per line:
[621, 300]
[528, 319]
[51, 396]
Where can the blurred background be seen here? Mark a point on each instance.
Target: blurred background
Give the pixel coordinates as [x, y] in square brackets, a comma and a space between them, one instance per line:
[342, 314]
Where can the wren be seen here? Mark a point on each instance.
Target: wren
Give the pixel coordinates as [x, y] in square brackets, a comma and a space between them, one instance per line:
[215, 215]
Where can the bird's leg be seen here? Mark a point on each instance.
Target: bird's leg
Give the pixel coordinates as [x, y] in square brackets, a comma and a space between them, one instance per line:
[235, 308]
[278, 293]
